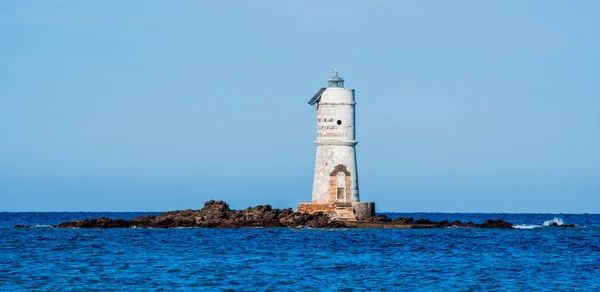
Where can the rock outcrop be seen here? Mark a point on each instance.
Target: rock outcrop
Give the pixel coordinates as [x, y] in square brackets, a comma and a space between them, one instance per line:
[217, 214]
[556, 224]
[499, 223]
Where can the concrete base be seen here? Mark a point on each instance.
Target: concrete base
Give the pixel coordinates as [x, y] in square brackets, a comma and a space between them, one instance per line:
[364, 209]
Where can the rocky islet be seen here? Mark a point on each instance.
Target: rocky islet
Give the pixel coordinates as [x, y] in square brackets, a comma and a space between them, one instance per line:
[217, 214]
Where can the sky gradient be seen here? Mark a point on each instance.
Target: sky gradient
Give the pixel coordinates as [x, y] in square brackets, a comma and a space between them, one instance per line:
[462, 106]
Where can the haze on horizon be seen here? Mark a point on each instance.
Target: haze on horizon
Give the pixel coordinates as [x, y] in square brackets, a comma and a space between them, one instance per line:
[468, 106]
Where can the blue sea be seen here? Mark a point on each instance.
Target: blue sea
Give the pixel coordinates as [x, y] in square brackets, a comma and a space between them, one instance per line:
[531, 257]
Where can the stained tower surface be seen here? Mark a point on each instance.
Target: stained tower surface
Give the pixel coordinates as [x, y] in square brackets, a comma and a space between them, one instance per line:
[335, 185]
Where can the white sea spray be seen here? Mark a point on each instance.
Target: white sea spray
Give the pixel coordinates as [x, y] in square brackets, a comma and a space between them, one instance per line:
[554, 221]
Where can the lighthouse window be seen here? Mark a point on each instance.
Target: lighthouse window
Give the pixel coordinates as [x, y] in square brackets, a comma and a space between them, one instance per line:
[336, 83]
[339, 122]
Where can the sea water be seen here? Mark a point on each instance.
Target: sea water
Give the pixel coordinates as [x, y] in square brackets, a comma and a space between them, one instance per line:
[532, 256]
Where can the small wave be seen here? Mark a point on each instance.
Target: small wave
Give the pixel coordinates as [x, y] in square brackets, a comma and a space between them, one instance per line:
[34, 226]
[526, 226]
[554, 222]
[299, 227]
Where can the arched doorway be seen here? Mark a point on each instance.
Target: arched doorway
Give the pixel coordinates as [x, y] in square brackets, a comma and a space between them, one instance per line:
[339, 184]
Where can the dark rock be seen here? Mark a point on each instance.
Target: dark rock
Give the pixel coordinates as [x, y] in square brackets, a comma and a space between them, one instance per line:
[554, 224]
[443, 224]
[423, 221]
[102, 222]
[470, 224]
[378, 218]
[457, 223]
[216, 214]
[403, 220]
[495, 224]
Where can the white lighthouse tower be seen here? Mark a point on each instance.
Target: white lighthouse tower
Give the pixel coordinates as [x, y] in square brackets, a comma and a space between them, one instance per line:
[335, 185]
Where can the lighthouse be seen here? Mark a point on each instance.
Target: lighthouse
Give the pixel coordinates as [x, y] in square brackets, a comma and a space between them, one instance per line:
[335, 186]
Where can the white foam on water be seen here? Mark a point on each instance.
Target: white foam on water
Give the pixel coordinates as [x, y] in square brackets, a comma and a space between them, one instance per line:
[526, 226]
[42, 226]
[556, 220]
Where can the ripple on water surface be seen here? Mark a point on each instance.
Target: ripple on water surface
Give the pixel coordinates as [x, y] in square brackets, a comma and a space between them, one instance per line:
[280, 258]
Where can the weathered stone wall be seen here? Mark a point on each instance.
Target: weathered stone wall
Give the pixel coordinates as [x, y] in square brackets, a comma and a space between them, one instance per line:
[338, 211]
[311, 208]
[335, 145]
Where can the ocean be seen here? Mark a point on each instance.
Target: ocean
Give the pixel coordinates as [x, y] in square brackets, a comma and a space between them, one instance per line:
[530, 257]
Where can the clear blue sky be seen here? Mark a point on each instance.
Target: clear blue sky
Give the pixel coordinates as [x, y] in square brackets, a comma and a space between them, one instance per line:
[463, 106]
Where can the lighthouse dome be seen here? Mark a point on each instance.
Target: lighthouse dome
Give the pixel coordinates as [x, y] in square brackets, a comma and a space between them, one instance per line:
[336, 81]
